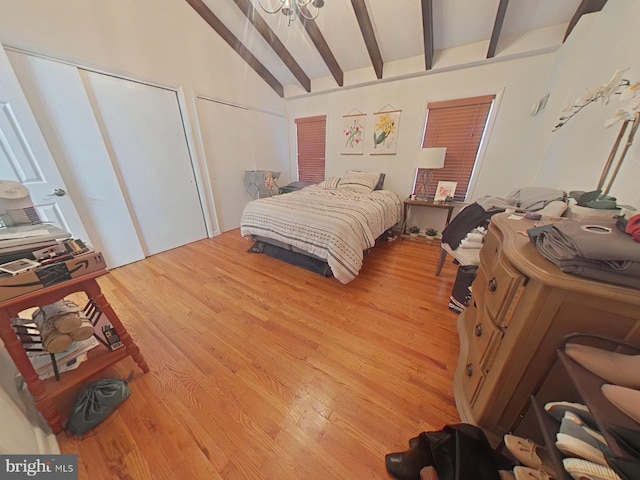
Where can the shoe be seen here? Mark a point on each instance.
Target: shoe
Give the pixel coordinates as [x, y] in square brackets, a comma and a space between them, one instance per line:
[584, 470]
[626, 399]
[529, 453]
[526, 473]
[407, 465]
[575, 440]
[616, 368]
[557, 409]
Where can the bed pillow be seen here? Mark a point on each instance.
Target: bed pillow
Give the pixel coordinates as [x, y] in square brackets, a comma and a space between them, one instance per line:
[330, 183]
[360, 182]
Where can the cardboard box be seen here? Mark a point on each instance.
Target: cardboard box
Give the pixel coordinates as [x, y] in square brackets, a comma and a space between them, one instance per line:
[47, 275]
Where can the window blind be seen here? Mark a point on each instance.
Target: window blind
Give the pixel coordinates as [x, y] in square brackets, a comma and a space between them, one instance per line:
[459, 126]
[311, 142]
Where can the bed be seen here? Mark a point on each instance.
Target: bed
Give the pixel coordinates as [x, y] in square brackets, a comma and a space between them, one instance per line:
[333, 222]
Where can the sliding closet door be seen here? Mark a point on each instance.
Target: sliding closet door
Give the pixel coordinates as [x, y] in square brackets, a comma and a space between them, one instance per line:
[142, 127]
[236, 139]
[61, 105]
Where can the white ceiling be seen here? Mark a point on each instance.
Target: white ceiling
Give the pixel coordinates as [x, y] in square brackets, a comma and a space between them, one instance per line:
[397, 25]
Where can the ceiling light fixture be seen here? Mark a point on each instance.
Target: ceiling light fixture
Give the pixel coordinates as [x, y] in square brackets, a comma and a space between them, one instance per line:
[290, 8]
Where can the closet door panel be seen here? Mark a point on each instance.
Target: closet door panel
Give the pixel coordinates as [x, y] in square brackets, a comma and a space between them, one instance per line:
[58, 97]
[226, 139]
[142, 126]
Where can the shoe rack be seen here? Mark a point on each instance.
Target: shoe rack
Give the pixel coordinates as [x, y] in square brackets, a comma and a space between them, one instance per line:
[549, 426]
[603, 412]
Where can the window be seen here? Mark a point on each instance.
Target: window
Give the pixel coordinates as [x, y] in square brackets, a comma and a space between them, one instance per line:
[459, 126]
[311, 139]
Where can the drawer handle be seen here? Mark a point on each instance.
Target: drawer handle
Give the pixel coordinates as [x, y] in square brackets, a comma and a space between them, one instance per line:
[474, 304]
[469, 369]
[493, 284]
[477, 331]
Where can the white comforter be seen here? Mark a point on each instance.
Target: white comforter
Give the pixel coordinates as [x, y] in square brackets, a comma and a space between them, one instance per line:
[335, 225]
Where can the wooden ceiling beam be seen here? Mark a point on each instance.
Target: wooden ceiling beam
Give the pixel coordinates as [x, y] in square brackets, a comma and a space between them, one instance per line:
[427, 31]
[586, 6]
[321, 45]
[497, 28]
[215, 23]
[366, 27]
[272, 39]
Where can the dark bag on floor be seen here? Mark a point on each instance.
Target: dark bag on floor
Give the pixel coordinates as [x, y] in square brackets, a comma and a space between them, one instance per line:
[95, 403]
[457, 452]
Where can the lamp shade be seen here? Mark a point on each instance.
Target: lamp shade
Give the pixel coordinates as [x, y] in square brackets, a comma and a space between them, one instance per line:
[431, 157]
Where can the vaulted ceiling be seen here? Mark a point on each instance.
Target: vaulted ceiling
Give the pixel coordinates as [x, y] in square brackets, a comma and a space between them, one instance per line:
[362, 41]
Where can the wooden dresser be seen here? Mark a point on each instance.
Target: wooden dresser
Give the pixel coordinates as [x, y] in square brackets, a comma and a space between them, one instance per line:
[522, 305]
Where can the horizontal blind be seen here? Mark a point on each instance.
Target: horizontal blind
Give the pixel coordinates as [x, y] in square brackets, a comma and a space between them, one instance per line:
[457, 125]
[311, 142]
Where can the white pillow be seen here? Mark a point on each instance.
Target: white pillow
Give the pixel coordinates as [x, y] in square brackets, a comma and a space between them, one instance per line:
[330, 183]
[360, 182]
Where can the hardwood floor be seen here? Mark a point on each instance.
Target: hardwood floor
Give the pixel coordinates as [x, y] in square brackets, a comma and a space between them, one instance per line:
[262, 370]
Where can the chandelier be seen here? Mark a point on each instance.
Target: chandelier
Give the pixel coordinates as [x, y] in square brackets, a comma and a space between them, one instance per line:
[290, 8]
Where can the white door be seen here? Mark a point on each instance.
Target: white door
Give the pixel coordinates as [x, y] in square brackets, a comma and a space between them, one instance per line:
[142, 126]
[25, 156]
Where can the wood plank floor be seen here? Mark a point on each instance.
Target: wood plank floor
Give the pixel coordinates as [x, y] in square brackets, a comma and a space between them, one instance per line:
[262, 370]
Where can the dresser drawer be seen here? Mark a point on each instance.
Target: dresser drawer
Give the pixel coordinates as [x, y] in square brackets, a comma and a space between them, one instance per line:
[472, 371]
[490, 250]
[501, 288]
[483, 333]
[472, 379]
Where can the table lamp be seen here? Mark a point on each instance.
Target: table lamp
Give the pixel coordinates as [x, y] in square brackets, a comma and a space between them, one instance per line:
[426, 160]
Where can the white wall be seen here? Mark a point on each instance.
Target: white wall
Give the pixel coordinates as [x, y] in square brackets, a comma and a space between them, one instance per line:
[577, 152]
[162, 42]
[522, 149]
[503, 168]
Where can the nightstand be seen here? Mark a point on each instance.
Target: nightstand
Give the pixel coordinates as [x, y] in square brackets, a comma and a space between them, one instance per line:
[412, 202]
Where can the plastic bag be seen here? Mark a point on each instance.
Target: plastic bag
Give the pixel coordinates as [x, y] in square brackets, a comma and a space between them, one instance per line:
[96, 402]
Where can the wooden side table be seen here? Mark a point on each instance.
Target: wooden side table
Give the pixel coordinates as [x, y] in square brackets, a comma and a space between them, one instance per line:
[45, 392]
[410, 202]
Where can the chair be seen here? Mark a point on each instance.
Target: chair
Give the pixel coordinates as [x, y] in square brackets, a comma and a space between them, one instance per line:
[464, 256]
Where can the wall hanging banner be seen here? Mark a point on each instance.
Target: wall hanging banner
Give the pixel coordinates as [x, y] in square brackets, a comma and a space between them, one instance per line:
[353, 128]
[385, 133]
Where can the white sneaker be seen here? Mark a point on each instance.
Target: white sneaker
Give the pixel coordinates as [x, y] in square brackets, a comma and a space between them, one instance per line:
[529, 453]
[584, 470]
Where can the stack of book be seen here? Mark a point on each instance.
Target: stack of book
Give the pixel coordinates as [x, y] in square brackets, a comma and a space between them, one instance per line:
[36, 245]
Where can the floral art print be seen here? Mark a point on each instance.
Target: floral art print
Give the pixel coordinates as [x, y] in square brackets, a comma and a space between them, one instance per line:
[353, 134]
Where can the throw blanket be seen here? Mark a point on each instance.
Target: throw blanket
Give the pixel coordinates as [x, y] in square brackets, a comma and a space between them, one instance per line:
[335, 225]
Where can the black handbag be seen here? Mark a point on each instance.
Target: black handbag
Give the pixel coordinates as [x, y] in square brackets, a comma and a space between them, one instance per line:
[457, 452]
[96, 402]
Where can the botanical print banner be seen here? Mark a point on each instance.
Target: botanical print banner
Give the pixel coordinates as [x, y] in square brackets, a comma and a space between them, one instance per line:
[385, 134]
[353, 134]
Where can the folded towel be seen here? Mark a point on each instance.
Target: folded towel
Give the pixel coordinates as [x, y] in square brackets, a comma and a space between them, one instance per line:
[474, 237]
[470, 244]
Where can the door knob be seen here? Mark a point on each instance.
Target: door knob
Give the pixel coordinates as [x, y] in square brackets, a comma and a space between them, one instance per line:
[58, 192]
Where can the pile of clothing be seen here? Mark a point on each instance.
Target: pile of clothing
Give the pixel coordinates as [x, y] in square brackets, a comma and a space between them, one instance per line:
[599, 249]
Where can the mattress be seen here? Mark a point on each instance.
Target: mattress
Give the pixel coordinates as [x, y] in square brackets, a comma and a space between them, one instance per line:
[336, 225]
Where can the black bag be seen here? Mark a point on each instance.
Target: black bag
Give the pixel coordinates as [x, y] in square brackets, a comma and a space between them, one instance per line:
[96, 402]
[457, 452]
[461, 294]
